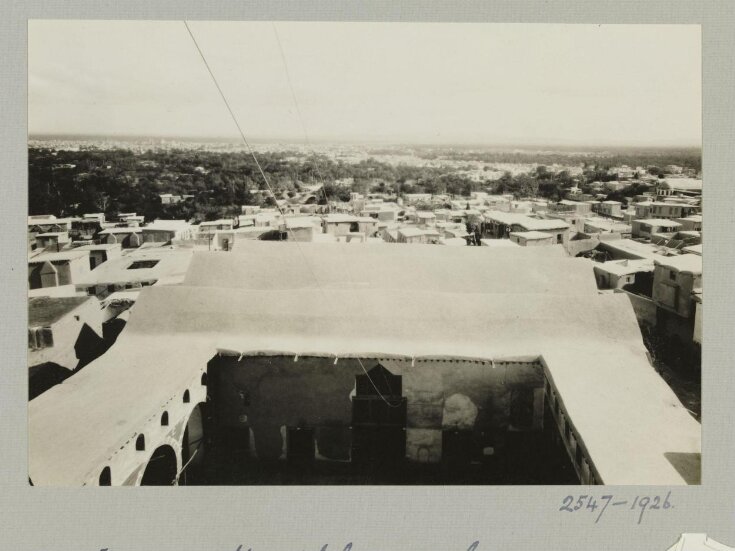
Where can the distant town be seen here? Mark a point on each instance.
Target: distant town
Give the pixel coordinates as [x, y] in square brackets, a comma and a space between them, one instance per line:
[192, 314]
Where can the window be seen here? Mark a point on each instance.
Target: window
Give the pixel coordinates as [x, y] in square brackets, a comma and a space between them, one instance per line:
[140, 443]
[187, 399]
[164, 419]
[672, 275]
[40, 337]
[139, 264]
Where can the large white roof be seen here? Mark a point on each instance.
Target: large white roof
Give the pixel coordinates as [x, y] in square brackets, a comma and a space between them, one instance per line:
[590, 344]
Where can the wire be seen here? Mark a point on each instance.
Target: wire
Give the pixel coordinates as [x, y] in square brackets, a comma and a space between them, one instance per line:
[267, 183]
[316, 166]
[298, 112]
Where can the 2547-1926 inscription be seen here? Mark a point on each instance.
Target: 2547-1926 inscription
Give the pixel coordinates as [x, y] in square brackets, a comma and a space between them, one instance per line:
[640, 504]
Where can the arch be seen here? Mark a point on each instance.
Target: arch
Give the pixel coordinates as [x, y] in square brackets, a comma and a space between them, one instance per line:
[164, 419]
[192, 445]
[161, 468]
[187, 397]
[204, 379]
[140, 443]
[105, 477]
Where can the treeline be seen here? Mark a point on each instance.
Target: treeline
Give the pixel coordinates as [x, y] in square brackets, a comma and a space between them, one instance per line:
[605, 159]
[69, 183]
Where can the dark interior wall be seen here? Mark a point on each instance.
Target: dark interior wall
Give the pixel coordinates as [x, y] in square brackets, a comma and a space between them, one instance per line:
[263, 394]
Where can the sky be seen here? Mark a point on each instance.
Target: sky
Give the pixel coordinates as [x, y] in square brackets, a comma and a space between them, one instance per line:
[495, 84]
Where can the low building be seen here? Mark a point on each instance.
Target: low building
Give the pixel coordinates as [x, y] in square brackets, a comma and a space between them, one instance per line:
[170, 199]
[53, 269]
[606, 225]
[671, 210]
[498, 243]
[343, 224]
[101, 253]
[683, 187]
[693, 222]
[675, 279]
[98, 217]
[425, 218]
[303, 228]
[613, 209]
[531, 238]
[52, 241]
[164, 231]
[693, 249]
[63, 334]
[643, 209]
[142, 268]
[411, 234]
[500, 224]
[211, 227]
[566, 206]
[617, 274]
[416, 198]
[647, 227]
[44, 223]
[129, 237]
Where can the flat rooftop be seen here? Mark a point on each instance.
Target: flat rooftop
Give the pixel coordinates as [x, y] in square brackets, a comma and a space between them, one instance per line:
[43, 311]
[335, 305]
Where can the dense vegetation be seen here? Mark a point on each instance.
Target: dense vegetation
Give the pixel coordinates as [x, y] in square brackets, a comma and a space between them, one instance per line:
[68, 183]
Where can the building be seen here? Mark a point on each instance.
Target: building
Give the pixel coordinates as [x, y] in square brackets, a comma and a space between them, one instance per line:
[303, 228]
[693, 222]
[128, 237]
[672, 210]
[44, 223]
[52, 241]
[416, 198]
[101, 253]
[207, 229]
[606, 225]
[142, 268]
[342, 224]
[53, 269]
[674, 281]
[531, 238]
[413, 234]
[300, 365]
[643, 209]
[612, 209]
[499, 224]
[425, 218]
[170, 199]
[617, 274]
[566, 206]
[63, 333]
[682, 187]
[165, 231]
[647, 227]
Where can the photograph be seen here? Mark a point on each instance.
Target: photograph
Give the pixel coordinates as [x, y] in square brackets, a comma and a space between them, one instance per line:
[301, 253]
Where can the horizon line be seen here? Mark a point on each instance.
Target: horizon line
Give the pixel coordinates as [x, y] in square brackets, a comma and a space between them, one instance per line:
[46, 136]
